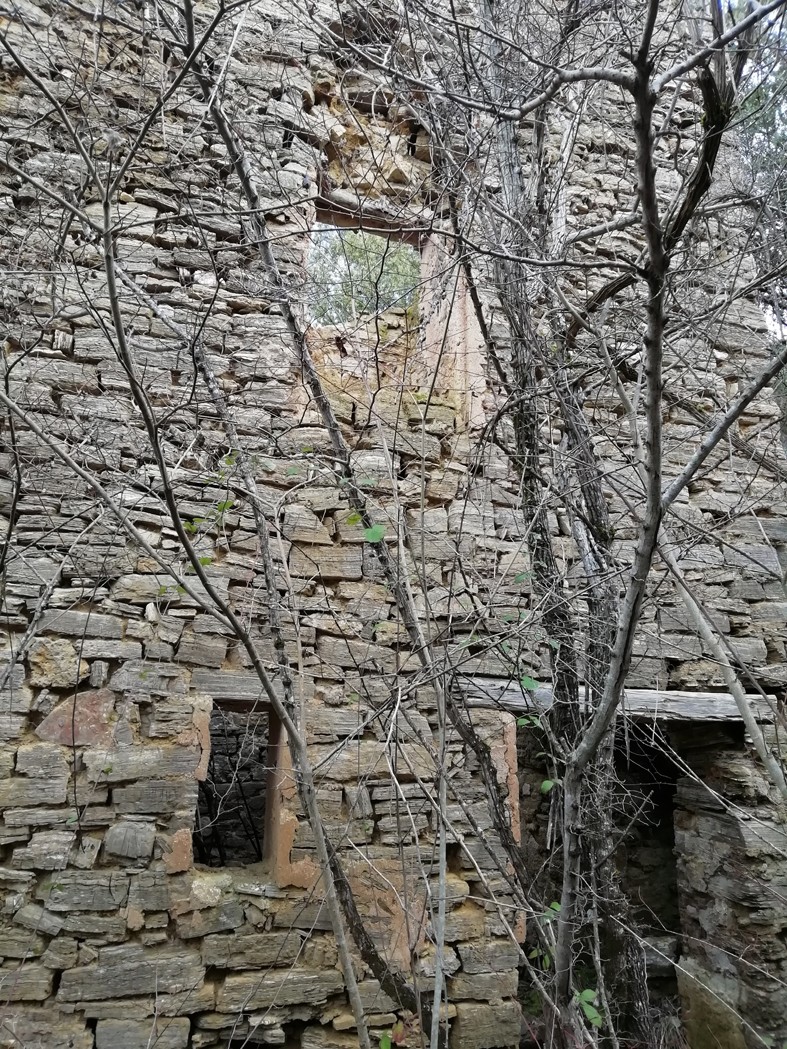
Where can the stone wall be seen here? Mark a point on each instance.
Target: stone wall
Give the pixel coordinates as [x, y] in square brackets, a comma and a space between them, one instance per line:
[730, 844]
[117, 673]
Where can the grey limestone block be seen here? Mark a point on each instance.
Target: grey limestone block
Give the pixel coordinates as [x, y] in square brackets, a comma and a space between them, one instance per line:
[141, 762]
[295, 986]
[163, 1032]
[252, 950]
[326, 562]
[47, 850]
[484, 1026]
[96, 928]
[37, 919]
[43, 1026]
[25, 983]
[155, 796]
[27, 791]
[228, 915]
[130, 970]
[484, 956]
[18, 942]
[130, 840]
[149, 891]
[84, 891]
[80, 624]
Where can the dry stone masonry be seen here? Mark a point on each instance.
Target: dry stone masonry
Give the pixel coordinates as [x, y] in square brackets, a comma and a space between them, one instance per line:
[158, 876]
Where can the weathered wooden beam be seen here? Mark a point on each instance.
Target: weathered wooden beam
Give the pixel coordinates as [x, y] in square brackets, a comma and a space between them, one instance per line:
[641, 703]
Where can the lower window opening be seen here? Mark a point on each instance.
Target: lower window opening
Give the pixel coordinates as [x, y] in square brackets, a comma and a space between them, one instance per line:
[232, 808]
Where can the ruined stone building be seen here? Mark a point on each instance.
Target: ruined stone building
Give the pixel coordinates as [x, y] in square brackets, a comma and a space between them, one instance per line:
[160, 878]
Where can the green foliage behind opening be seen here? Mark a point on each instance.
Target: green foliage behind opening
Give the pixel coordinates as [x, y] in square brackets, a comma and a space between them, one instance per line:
[352, 273]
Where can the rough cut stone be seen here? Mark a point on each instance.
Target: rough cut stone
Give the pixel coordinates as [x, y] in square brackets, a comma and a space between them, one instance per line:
[43, 1028]
[249, 950]
[155, 796]
[296, 986]
[24, 791]
[483, 986]
[80, 624]
[98, 648]
[368, 758]
[84, 891]
[31, 916]
[82, 720]
[149, 891]
[160, 588]
[161, 1032]
[464, 923]
[136, 762]
[324, 562]
[480, 1026]
[303, 526]
[18, 943]
[148, 679]
[211, 920]
[25, 983]
[95, 928]
[54, 663]
[130, 840]
[41, 759]
[67, 816]
[488, 956]
[15, 697]
[47, 851]
[130, 970]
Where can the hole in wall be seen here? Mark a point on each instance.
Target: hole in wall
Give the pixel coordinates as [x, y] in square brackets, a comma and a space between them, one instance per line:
[354, 273]
[233, 802]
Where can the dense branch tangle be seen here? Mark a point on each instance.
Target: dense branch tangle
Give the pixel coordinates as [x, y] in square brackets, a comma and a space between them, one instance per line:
[404, 546]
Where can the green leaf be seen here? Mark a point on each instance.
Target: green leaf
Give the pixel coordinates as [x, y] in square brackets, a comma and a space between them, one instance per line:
[588, 995]
[528, 683]
[555, 906]
[224, 506]
[385, 1041]
[547, 785]
[354, 518]
[592, 1014]
[205, 561]
[374, 534]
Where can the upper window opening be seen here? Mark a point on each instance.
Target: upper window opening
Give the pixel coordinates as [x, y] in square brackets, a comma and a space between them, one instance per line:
[354, 273]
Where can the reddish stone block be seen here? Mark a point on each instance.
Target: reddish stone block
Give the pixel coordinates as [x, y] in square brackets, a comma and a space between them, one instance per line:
[82, 720]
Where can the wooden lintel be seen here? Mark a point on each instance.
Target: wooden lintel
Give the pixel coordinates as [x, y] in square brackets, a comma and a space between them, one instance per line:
[643, 704]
